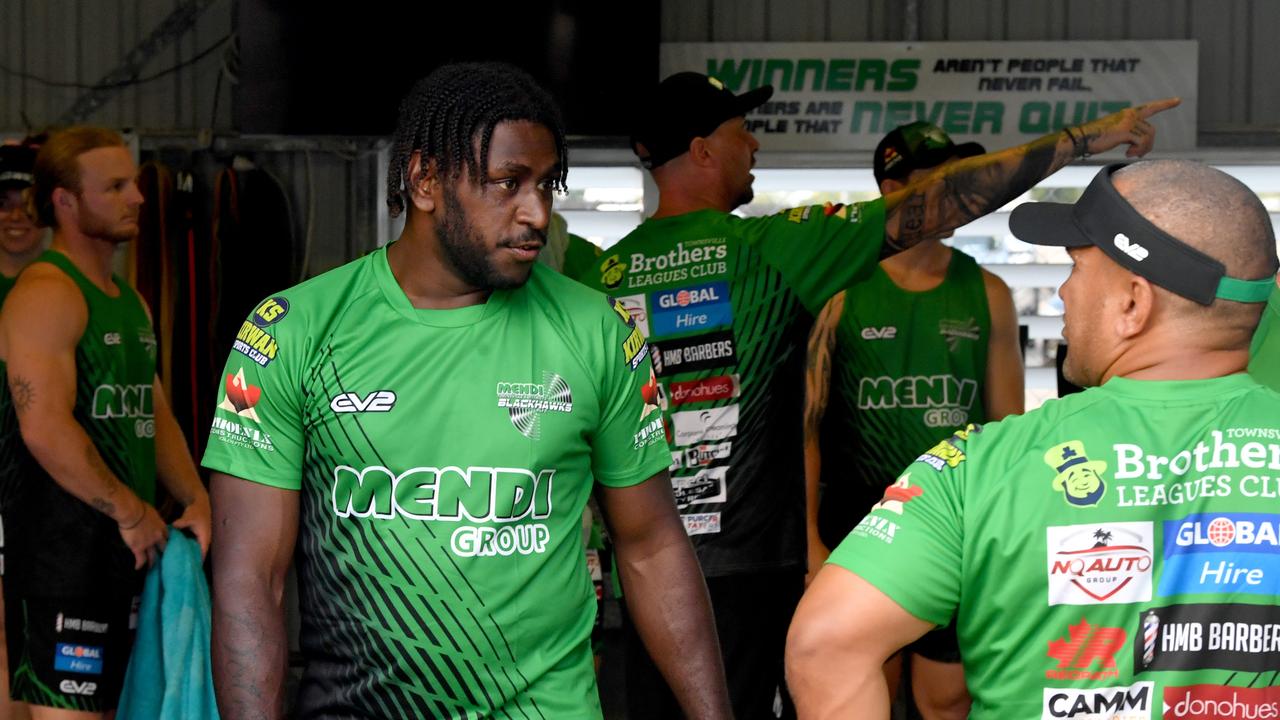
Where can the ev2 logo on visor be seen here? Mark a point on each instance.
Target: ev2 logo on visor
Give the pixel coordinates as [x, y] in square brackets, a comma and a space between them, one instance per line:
[1132, 249]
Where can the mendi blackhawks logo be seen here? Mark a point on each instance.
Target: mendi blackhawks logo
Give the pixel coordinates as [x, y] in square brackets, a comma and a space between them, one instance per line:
[527, 402]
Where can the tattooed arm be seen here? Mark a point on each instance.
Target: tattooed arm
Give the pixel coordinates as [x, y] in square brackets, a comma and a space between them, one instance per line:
[817, 388]
[963, 191]
[42, 321]
[256, 526]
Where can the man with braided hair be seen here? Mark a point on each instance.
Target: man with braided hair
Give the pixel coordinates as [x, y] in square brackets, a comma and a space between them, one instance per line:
[426, 424]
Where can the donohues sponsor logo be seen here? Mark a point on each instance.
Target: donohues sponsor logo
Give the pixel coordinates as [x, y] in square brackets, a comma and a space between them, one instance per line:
[1088, 652]
[707, 486]
[689, 309]
[1237, 637]
[701, 523]
[1217, 702]
[691, 354]
[1226, 552]
[720, 387]
[1099, 564]
[1113, 703]
[694, 426]
[256, 344]
[271, 311]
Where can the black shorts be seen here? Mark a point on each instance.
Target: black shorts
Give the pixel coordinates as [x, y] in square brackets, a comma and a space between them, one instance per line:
[69, 653]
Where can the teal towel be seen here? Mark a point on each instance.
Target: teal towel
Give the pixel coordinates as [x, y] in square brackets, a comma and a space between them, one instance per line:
[170, 675]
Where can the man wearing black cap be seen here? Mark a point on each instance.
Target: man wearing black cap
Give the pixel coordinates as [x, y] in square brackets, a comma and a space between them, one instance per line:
[19, 234]
[929, 319]
[1113, 553]
[728, 303]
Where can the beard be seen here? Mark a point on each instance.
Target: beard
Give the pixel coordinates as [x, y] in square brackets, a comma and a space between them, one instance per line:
[96, 226]
[465, 250]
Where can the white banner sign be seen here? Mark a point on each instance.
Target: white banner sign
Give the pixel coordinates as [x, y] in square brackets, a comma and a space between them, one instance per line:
[846, 96]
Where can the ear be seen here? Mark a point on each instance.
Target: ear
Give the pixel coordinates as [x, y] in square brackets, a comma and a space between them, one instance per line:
[889, 185]
[700, 151]
[1138, 299]
[423, 183]
[63, 199]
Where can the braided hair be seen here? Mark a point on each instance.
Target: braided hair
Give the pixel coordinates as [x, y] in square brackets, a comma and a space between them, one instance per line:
[448, 110]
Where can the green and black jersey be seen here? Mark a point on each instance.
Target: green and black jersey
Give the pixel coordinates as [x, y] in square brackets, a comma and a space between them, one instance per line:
[443, 460]
[1264, 354]
[727, 303]
[908, 369]
[115, 375]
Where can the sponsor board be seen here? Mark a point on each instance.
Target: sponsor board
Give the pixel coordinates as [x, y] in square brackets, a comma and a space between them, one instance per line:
[1108, 563]
[1086, 652]
[691, 354]
[695, 426]
[720, 387]
[701, 523]
[1222, 553]
[1134, 702]
[690, 309]
[1218, 702]
[1208, 637]
[707, 486]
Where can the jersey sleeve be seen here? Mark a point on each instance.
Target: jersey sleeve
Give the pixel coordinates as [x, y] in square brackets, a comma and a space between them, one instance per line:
[257, 425]
[630, 445]
[918, 525]
[820, 251]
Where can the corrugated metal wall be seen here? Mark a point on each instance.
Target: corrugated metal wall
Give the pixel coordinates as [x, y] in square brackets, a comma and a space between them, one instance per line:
[49, 44]
[1239, 47]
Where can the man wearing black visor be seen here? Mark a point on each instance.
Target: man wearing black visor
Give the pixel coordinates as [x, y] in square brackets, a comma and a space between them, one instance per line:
[1083, 546]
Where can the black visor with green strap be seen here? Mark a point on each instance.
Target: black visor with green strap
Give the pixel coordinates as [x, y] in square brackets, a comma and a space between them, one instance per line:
[1103, 218]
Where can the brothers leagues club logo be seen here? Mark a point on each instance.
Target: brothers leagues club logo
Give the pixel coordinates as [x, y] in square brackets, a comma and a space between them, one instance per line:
[526, 402]
[1079, 479]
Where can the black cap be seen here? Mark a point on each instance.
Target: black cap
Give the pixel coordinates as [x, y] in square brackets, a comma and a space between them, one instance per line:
[1102, 217]
[917, 146]
[685, 106]
[16, 166]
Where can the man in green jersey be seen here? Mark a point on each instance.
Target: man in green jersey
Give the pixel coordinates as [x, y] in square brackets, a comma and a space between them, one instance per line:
[1264, 353]
[1115, 553]
[425, 425]
[728, 304]
[927, 344]
[87, 433]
